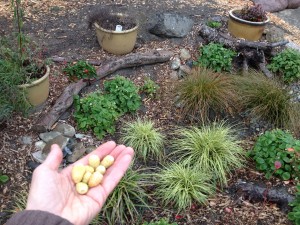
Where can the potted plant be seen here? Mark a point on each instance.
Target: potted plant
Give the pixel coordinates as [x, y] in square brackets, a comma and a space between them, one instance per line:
[248, 22]
[24, 76]
[116, 32]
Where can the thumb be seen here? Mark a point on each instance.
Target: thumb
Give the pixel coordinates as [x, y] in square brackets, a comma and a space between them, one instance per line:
[54, 157]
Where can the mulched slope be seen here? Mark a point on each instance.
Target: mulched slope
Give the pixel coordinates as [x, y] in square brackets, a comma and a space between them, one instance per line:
[221, 209]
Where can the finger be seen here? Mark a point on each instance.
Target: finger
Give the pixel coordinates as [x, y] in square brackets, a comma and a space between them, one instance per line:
[54, 158]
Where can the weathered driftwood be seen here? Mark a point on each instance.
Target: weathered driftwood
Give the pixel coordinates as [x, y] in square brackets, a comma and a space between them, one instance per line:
[59, 59]
[261, 193]
[66, 98]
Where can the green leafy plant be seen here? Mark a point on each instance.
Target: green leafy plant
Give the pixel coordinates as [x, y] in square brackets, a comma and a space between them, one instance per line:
[124, 93]
[266, 99]
[159, 222]
[127, 199]
[214, 148]
[3, 178]
[144, 138]
[182, 184]
[80, 70]
[150, 87]
[253, 13]
[215, 57]
[96, 112]
[294, 215]
[205, 91]
[214, 24]
[277, 153]
[287, 63]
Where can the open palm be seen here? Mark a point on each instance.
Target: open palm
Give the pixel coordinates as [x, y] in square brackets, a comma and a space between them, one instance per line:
[54, 191]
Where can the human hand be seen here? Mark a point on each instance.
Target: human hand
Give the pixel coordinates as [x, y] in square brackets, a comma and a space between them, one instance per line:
[54, 191]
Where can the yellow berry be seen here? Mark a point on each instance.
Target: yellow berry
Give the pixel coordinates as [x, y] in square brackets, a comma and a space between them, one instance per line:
[94, 161]
[86, 177]
[107, 161]
[78, 172]
[82, 188]
[90, 169]
[101, 169]
[95, 179]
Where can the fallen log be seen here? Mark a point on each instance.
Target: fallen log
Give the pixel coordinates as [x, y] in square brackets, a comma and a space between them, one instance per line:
[261, 193]
[64, 60]
[66, 98]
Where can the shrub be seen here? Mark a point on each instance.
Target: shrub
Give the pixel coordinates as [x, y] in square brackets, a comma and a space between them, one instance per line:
[96, 112]
[265, 98]
[80, 70]
[287, 63]
[150, 87]
[277, 153]
[124, 93]
[181, 184]
[159, 222]
[294, 215]
[214, 24]
[205, 91]
[216, 57]
[143, 138]
[123, 205]
[213, 148]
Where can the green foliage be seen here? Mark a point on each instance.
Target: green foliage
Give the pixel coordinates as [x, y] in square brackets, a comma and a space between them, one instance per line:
[204, 91]
[277, 146]
[150, 87]
[80, 70]
[294, 215]
[96, 112]
[287, 63]
[159, 222]
[182, 184]
[213, 148]
[3, 178]
[216, 57]
[214, 24]
[143, 138]
[265, 99]
[127, 199]
[124, 93]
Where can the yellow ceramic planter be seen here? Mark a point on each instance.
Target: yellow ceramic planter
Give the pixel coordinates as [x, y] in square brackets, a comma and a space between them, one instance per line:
[116, 42]
[37, 92]
[248, 30]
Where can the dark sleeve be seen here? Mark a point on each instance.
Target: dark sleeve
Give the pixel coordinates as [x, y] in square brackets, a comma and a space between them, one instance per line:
[36, 217]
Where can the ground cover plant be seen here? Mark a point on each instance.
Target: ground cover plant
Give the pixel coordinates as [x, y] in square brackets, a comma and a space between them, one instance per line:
[215, 57]
[144, 138]
[150, 88]
[159, 222]
[286, 63]
[204, 92]
[294, 215]
[276, 153]
[214, 24]
[80, 70]
[213, 148]
[181, 184]
[266, 99]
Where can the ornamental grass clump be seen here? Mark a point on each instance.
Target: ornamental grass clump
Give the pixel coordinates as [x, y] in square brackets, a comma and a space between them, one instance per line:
[214, 148]
[266, 99]
[205, 91]
[182, 184]
[144, 138]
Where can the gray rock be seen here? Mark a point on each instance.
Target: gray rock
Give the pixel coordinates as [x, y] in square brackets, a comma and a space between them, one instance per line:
[72, 143]
[175, 63]
[293, 45]
[174, 75]
[60, 140]
[272, 5]
[291, 16]
[26, 140]
[78, 152]
[293, 4]
[216, 19]
[274, 34]
[39, 145]
[39, 156]
[65, 129]
[49, 135]
[82, 136]
[89, 149]
[33, 165]
[172, 25]
[185, 54]
[184, 70]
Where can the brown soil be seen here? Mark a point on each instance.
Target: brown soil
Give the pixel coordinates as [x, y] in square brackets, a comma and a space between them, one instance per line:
[60, 27]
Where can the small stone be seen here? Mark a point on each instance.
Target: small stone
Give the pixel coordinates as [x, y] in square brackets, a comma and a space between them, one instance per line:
[26, 140]
[175, 63]
[174, 75]
[189, 63]
[60, 140]
[65, 129]
[39, 156]
[39, 145]
[33, 165]
[49, 135]
[81, 136]
[89, 149]
[274, 34]
[184, 70]
[293, 45]
[78, 152]
[71, 143]
[184, 54]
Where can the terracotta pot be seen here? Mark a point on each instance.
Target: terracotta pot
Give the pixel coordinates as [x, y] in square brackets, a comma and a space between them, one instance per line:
[248, 30]
[37, 92]
[116, 42]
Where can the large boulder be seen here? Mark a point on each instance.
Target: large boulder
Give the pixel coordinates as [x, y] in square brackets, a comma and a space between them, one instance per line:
[272, 5]
[293, 4]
